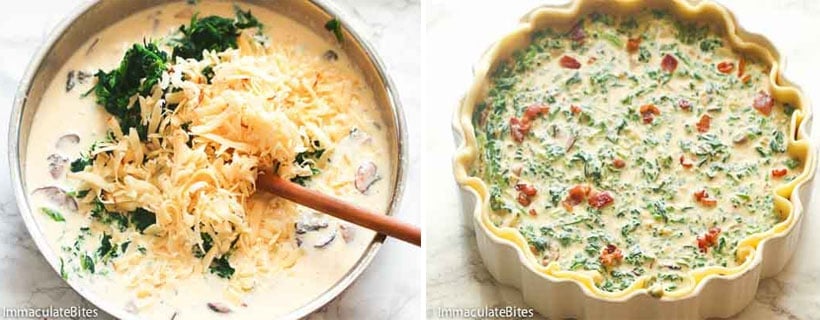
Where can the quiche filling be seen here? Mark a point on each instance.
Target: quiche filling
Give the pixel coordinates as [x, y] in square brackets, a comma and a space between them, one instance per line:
[144, 151]
[636, 149]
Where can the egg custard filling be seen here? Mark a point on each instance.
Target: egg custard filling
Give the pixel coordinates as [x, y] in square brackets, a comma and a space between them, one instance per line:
[144, 153]
[636, 149]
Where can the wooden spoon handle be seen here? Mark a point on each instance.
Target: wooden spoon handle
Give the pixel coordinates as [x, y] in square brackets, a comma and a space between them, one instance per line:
[321, 202]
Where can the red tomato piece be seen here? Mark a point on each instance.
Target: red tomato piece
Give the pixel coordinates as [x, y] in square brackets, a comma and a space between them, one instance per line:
[704, 123]
[570, 62]
[519, 129]
[703, 197]
[576, 195]
[648, 113]
[686, 163]
[601, 199]
[526, 189]
[633, 44]
[618, 163]
[763, 103]
[536, 110]
[523, 199]
[669, 63]
[741, 67]
[725, 67]
[611, 255]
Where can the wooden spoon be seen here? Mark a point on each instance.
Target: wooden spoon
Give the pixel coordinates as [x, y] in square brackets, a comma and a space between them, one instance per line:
[321, 202]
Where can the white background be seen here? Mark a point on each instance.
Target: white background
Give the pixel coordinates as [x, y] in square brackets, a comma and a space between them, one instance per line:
[458, 32]
[389, 289]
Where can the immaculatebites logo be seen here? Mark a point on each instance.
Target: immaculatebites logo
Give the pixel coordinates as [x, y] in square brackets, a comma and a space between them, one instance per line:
[74, 312]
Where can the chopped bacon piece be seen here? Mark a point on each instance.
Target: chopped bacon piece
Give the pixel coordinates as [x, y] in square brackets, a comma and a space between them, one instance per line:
[700, 194]
[648, 112]
[703, 197]
[746, 78]
[763, 103]
[575, 109]
[633, 44]
[567, 206]
[686, 163]
[611, 255]
[669, 63]
[519, 129]
[741, 67]
[576, 195]
[526, 189]
[600, 200]
[570, 62]
[523, 199]
[577, 33]
[684, 105]
[591, 60]
[536, 110]
[725, 67]
[618, 163]
[712, 235]
[780, 172]
[525, 193]
[533, 212]
[704, 123]
[703, 245]
[709, 239]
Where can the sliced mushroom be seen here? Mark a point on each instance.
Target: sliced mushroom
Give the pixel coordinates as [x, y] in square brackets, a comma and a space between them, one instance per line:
[326, 241]
[330, 55]
[740, 138]
[670, 266]
[306, 224]
[570, 143]
[67, 140]
[131, 307]
[82, 76]
[92, 46]
[56, 165]
[348, 232]
[366, 175]
[75, 77]
[218, 307]
[57, 197]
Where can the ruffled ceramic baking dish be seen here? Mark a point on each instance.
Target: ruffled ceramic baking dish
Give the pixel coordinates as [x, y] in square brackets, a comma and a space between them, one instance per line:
[715, 292]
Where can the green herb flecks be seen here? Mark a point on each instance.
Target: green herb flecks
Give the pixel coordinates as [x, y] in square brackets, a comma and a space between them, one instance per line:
[139, 71]
[87, 263]
[142, 219]
[222, 267]
[207, 244]
[212, 33]
[334, 26]
[53, 214]
[307, 158]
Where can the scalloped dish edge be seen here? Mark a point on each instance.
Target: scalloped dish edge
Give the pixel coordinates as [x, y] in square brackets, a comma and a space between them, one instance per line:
[787, 195]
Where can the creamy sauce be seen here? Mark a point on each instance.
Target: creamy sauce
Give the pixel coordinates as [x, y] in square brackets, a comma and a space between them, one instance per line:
[63, 112]
[634, 148]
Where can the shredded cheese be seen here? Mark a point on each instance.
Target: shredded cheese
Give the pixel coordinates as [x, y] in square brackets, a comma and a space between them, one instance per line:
[197, 170]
